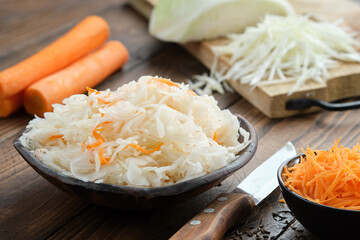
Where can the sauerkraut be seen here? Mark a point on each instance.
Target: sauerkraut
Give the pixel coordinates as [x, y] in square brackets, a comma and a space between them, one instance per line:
[148, 133]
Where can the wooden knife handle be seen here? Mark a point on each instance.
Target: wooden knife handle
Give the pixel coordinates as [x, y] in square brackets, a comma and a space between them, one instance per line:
[226, 211]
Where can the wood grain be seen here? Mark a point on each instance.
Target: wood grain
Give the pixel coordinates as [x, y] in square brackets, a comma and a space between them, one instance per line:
[31, 208]
[226, 211]
[261, 225]
[24, 214]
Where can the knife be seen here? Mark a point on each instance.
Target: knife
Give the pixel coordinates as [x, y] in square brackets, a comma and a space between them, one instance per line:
[230, 209]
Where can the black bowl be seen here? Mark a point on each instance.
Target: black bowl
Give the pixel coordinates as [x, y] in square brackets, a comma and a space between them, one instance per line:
[138, 198]
[323, 221]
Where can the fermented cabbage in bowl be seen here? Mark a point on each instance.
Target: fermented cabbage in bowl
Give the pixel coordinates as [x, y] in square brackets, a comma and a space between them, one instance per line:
[148, 133]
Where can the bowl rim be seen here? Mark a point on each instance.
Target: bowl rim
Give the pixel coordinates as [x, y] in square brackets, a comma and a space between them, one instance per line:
[282, 185]
[152, 192]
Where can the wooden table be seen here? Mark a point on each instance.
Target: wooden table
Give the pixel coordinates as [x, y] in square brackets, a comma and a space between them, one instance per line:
[32, 208]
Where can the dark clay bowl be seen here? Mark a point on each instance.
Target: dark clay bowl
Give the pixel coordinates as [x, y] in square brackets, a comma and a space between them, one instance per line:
[137, 198]
[323, 221]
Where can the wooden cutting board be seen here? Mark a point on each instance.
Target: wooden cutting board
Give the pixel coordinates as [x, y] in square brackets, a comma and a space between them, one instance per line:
[343, 82]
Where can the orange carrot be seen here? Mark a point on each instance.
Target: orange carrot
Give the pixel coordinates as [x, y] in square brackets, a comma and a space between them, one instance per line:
[103, 101]
[97, 136]
[80, 40]
[11, 104]
[102, 159]
[56, 136]
[88, 71]
[329, 177]
[215, 136]
[169, 83]
[164, 81]
[95, 145]
[139, 148]
[90, 90]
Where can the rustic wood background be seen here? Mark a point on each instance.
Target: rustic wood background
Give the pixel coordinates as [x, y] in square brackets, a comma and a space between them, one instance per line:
[31, 208]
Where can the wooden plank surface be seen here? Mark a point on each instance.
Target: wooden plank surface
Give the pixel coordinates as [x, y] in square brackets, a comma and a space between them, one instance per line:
[31, 208]
[343, 81]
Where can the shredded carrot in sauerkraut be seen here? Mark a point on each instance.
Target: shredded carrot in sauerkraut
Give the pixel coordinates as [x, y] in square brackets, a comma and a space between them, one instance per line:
[164, 81]
[56, 136]
[139, 148]
[136, 139]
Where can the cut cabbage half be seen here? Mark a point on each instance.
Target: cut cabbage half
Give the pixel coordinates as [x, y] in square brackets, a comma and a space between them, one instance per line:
[193, 20]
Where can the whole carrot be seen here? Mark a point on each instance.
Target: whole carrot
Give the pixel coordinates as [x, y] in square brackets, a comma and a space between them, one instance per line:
[86, 72]
[87, 35]
[11, 104]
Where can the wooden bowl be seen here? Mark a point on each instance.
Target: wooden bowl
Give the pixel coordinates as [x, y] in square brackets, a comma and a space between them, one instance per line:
[323, 221]
[140, 198]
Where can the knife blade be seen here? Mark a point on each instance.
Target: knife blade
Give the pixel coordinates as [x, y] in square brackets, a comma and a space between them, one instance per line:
[229, 209]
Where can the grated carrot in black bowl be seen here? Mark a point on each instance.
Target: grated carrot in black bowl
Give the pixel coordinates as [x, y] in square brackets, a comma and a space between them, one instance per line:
[330, 177]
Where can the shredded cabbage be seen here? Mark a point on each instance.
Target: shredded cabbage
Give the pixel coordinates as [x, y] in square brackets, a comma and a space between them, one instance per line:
[148, 133]
[284, 49]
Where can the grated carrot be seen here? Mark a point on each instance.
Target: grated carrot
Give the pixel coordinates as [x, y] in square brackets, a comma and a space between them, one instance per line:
[102, 159]
[191, 92]
[329, 177]
[56, 136]
[97, 136]
[103, 101]
[215, 136]
[165, 81]
[95, 145]
[170, 83]
[91, 91]
[97, 128]
[139, 148]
